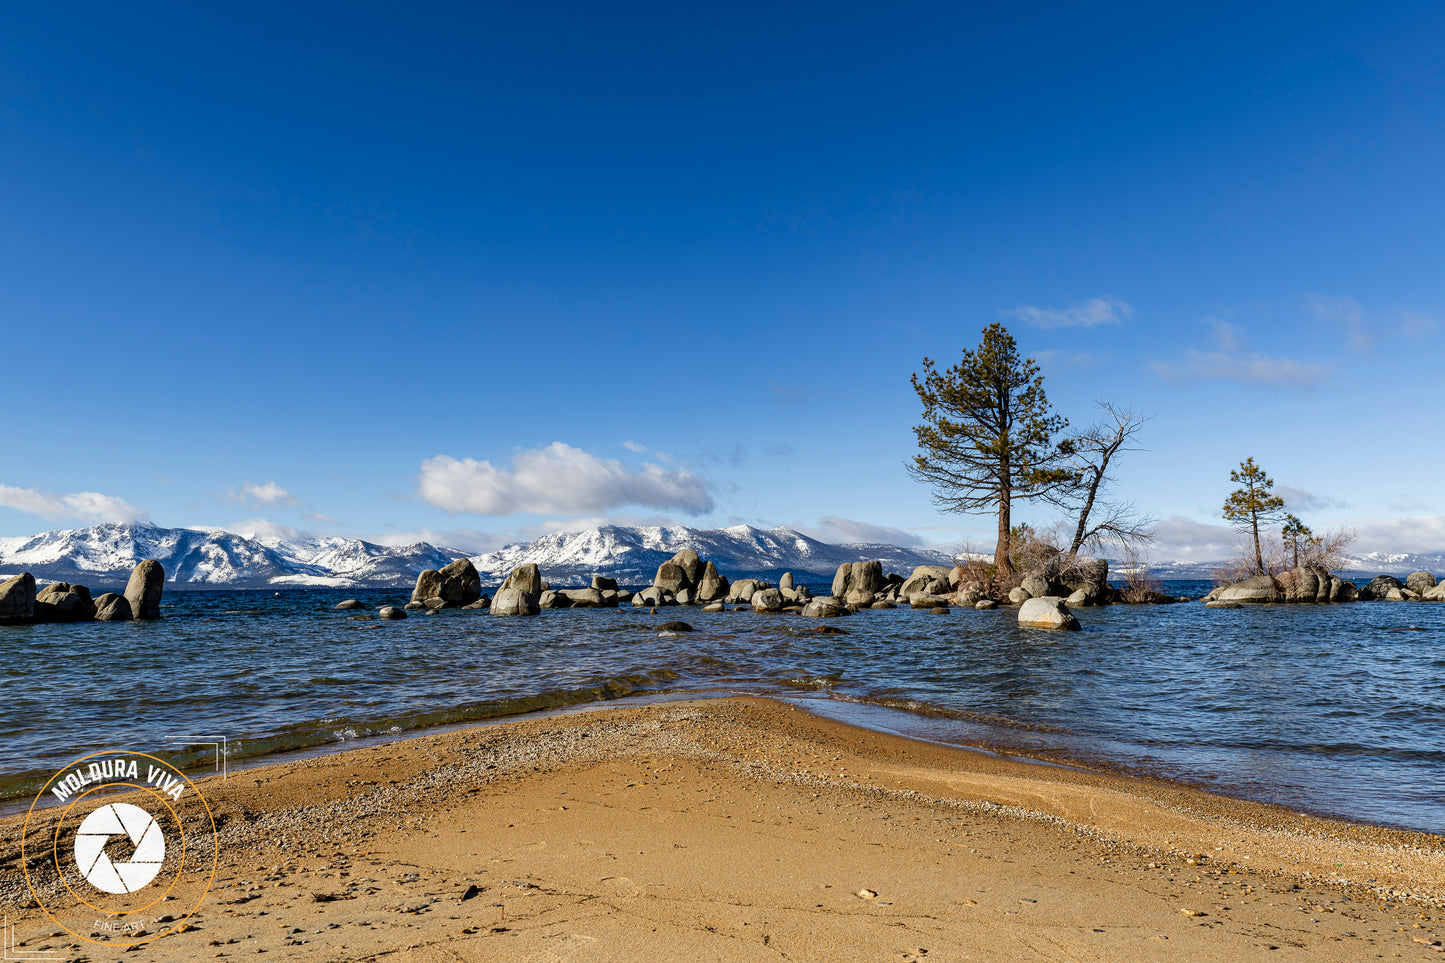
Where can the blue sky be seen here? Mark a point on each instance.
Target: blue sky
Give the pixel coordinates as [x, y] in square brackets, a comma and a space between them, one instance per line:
[472, 274]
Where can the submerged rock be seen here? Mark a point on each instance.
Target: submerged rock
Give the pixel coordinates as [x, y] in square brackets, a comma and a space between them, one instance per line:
[111, 607]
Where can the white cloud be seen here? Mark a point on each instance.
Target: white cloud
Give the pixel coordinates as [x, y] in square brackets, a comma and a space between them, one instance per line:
[83, 506]
[1298, 500]
[636, 446]
[1180, 539]
[557, 479]
[1253, 369]
[839, 530]
[1342, 311]
[1418, 534]
[1079, 314]
[255, 495]
[1225, 335]
[1417, 324]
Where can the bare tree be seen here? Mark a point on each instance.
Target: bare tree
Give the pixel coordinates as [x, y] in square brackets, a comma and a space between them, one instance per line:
[1091, 454]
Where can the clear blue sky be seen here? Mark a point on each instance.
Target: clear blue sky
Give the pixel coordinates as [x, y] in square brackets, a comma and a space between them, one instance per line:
[469, 274]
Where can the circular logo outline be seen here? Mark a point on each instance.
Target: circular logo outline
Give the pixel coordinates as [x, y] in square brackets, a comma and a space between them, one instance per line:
[174, 925]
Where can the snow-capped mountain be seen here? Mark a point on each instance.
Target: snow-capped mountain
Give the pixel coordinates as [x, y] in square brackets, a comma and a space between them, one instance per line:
[102, 556]
[632, 555]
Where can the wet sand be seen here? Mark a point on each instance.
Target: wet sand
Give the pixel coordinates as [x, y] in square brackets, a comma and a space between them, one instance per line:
[746, 829]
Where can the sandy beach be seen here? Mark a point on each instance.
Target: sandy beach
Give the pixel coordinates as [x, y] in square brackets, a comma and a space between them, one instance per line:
[747, 829]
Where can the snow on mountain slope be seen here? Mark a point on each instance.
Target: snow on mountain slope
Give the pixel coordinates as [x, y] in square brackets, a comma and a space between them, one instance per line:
[632, 555]
[103, 556]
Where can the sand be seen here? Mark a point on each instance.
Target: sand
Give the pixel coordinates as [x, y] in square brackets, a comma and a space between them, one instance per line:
[746, 829]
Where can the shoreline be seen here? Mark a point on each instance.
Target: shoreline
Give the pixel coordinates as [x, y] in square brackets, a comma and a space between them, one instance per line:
[723, 815]
[846, 711]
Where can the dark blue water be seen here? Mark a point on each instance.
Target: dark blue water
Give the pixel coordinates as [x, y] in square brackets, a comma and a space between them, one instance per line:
[1333, 709]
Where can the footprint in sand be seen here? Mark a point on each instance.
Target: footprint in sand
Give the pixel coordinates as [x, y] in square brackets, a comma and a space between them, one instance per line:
[621, 884]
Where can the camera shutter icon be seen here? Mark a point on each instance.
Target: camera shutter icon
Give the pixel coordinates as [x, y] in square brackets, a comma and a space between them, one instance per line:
[125, 876]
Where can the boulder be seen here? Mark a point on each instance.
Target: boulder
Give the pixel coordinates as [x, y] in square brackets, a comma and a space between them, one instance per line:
[923, 600]
[428, 585]
[340, 606]
[63, 602]
[143, 591]
[684, 596]
[742, 590]
[867, 578]
[827, 608]
[1257, 589]
[460, 584]
[1077, 599]
[553, 600]
[414, 606]
[767, 600]
[17, 599]
[1420, 582]
[111, 607]
[527, 579]
[391, 612]
[1342, 590]
[603, 584]
[785, 584]
[1379, 587]
[1216, 604]
[1018, 596]
[1436, 594]
[481, 603]
[588, 598]
[883, 604]
[674, 627]
[691, 566]
[984, 605]
[842, 580]
[435, 603]
[711, 587]
[1036, 585]
[514, 600]
[672, 577]
[1048, 612]
[714, 607]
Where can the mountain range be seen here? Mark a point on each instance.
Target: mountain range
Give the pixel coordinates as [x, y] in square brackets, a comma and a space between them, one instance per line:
[102, 556]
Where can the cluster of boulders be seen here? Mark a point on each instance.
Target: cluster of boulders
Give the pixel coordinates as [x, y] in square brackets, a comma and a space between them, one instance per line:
[685, 579]
[1314, 584]
[22, 604]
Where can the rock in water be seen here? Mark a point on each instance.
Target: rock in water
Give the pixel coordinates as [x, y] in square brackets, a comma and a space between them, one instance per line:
[984, 605]
[511, 600]
[143, 591]
[674, 627]
[824, 609]
[1048, 612]
[391, 612]
[842, 580]
[112, 608]
[461, 585]
[1383, 588]
[1420, 582]
[17, 599]
[1018, 596]
[712, 587]
[767, 600]
[62, 602]
[340, 606]
[428, 585]
[527, 578]
[691, 566]
[1256, 589]
[671, 577]
[604, 584]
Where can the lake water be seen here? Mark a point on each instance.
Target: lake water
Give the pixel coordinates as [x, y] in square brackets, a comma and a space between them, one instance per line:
[1333, 709]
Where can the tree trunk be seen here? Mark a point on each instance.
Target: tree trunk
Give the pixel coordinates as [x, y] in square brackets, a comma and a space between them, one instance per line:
[1001, 550]
[1258, 555]
[1084, 513]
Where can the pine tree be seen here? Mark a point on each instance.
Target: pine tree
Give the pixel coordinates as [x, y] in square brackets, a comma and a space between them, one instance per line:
[1255, 502]
[986, 436]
